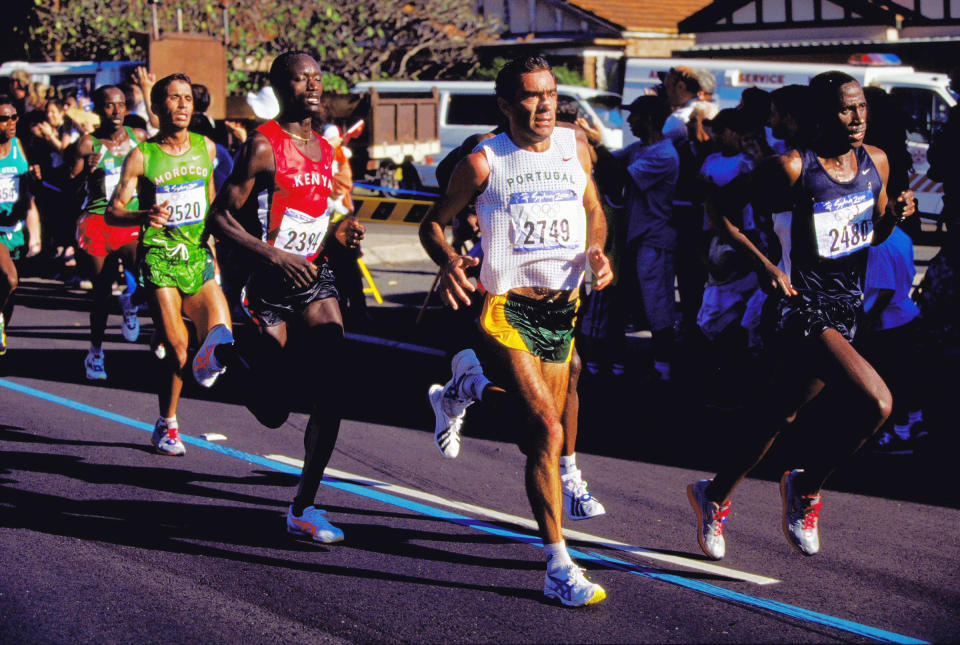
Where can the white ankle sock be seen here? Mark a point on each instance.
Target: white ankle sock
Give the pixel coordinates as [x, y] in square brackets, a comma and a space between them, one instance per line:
[474, 385]
[557, 556]
[170, 422]
[568, 464]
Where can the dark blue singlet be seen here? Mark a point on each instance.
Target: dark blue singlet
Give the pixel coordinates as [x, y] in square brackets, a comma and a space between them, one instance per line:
[831, 232]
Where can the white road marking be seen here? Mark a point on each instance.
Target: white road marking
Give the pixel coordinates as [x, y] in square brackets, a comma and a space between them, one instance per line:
[529, 524]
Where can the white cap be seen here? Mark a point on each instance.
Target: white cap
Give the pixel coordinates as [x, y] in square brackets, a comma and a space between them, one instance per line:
[264, 103]
[331, 132]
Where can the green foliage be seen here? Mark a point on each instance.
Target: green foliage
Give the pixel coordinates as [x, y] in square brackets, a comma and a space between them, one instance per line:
[563, 73]
[360, 40]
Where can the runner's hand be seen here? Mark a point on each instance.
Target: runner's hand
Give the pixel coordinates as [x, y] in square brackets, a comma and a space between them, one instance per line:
[906, 204]
[350, 233]
[157, 216]
[773, 280]
[600, 265]
[296, 268]
[454, 283]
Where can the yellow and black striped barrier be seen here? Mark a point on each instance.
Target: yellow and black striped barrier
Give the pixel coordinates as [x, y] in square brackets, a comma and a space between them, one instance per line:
[391, 209]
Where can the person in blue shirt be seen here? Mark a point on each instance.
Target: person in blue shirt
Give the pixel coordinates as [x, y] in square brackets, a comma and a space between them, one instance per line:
[652, 166]
[891, 346]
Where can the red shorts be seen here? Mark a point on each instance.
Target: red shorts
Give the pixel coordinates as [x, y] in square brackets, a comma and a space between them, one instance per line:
[99, 239]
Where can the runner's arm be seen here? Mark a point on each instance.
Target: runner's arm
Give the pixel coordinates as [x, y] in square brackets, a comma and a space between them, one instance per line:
[596, 221]
[253, 170]
[769, 179]
[468, 178]
[116, 213]
[888, 214]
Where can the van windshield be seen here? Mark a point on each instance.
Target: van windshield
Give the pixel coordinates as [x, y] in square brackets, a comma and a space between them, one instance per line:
[608, 109]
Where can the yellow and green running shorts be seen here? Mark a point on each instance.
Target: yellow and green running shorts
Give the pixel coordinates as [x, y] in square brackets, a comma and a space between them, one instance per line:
[538, 327]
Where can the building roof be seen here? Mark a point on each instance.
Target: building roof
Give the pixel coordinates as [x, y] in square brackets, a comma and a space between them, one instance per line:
[650, 15]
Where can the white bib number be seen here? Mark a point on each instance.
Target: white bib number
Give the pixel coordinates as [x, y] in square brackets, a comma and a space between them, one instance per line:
[9, 188]
[843, 225]
[188, 202]
[300, 233]
[110, 181]
[546, 219]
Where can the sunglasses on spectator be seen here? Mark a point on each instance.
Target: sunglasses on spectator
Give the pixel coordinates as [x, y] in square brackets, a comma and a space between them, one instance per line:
[11, 117]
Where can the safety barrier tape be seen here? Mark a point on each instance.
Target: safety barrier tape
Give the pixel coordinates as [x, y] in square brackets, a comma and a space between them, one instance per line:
[388, 209]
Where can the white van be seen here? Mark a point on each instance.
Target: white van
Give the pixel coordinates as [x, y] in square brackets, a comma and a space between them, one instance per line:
[926, 98]
[470, 107]
[78, 76]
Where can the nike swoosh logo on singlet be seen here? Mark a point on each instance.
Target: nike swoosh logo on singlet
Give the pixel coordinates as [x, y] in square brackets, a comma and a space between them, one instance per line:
[865, 171]
[566, 158]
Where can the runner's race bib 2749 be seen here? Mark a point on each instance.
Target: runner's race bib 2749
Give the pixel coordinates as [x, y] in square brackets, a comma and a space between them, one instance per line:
[546, 219]
[843, 225]
[300, 233]
[188, 202]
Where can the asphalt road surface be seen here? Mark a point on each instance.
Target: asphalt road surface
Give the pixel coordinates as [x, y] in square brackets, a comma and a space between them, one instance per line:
[103, 541]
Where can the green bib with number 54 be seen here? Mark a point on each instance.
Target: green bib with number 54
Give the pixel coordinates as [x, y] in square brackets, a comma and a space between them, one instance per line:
[183, 183]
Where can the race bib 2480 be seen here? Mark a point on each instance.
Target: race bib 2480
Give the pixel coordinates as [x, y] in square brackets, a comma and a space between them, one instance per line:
[843, 225]
[188, 202]
[546, 219]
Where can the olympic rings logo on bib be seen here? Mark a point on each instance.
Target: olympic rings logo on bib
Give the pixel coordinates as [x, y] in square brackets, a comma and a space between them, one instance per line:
[300, 233]
[187, 202]
[546, 219]
[844, 225]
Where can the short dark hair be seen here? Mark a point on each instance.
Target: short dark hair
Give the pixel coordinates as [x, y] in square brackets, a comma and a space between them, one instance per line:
[6, 99]
[825, 92]
[201, 98]
[654, 107]
[100, 96]
[508, 78]
[791, 99]
[568, 110]
[282, 64]
[159, 91]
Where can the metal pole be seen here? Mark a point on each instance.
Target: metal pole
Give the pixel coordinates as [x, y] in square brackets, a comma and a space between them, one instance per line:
[179, 20]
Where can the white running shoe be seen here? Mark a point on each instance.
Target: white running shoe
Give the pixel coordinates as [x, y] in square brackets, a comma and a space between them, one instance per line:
[94, 366]
[710, 520]
[571, 587]
[312, 523]
[166, 439]
[131, 323]
[577, 500]
[206, 368]
[450, 403]
[801, 515]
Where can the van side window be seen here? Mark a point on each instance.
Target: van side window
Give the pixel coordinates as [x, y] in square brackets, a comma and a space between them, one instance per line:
[926, 112]
[473, 109]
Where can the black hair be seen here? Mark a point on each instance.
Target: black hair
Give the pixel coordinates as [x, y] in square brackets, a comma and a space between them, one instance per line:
[283, 64]
[200, 124]
[201, 98]
[825, 93]
[100, 96]
[159, 91]
[508, 79]
[792, 99]
[654, 107]
[568, 110]
[6, 99]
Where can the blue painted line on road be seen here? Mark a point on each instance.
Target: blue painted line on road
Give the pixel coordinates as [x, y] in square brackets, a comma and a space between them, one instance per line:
[392, 191]
[370, 492]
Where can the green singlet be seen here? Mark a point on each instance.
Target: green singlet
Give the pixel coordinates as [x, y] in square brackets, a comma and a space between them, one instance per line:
[105, 177]
[176, 255]
[13, 181]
